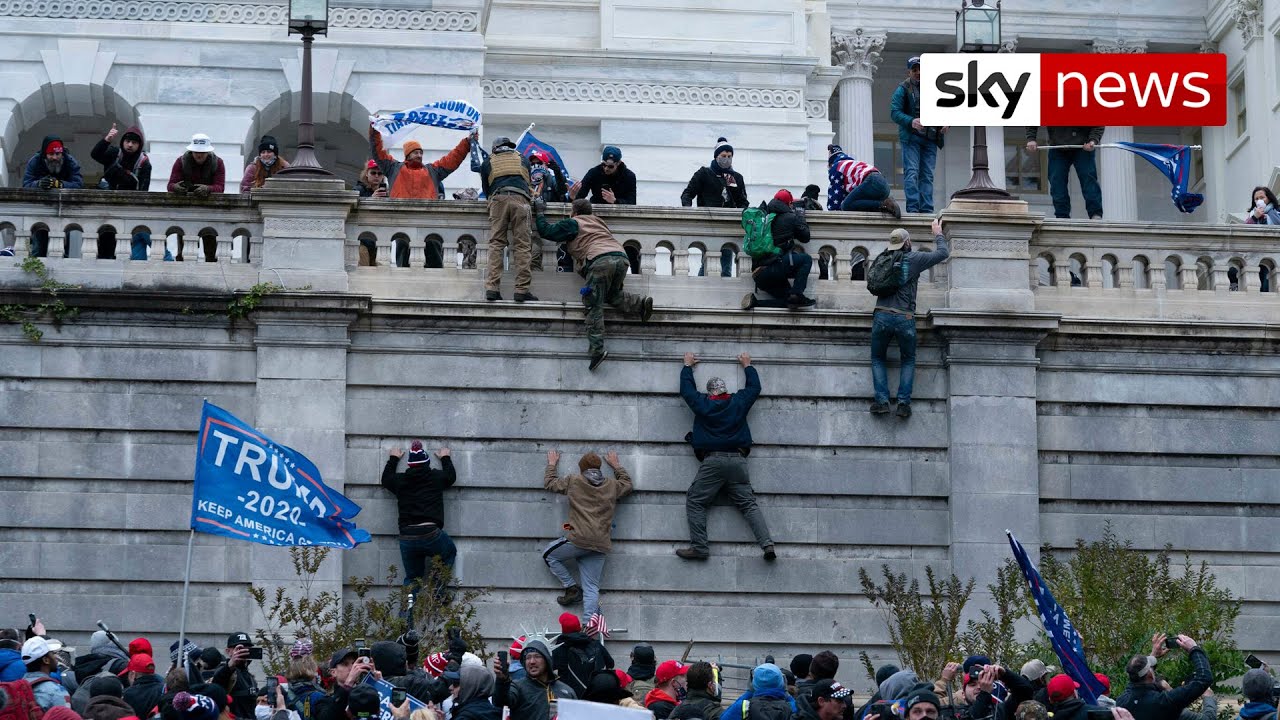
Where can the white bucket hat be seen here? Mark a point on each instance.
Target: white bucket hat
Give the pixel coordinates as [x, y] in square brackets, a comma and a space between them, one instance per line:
[200, 143]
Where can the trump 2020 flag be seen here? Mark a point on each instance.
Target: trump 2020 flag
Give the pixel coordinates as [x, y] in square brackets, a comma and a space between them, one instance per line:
[252, 488]
[528, 143]
[1062, 634]
[1175, 162]
[447, 114]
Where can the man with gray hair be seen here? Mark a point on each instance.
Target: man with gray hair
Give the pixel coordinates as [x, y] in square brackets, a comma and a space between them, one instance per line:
[721, 440]
[1144, 697]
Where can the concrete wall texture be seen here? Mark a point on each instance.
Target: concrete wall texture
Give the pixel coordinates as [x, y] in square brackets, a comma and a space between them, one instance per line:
[1034, 420]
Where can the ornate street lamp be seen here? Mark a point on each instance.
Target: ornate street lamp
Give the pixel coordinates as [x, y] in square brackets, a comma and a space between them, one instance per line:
[978, 31]
[307, 18]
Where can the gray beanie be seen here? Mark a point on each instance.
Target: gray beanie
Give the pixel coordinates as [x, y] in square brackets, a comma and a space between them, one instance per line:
[715, 386]
[1257, 684]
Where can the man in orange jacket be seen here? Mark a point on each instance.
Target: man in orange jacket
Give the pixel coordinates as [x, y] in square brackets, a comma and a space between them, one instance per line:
[414, 179]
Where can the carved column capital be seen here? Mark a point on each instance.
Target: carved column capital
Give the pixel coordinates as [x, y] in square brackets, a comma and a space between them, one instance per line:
[1248, 17]
[857, 52]
[1119, 45]
[1208, 47]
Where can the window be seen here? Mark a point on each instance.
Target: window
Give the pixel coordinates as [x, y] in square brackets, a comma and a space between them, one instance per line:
[1023, 170]
[888, 156]
[1238, 110]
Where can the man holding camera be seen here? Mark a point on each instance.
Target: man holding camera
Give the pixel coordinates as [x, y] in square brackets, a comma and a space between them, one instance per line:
[1145, 699]
[920, 144]
[234, 675]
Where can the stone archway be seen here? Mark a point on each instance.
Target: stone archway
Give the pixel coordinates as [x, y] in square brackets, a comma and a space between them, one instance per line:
[341, 125]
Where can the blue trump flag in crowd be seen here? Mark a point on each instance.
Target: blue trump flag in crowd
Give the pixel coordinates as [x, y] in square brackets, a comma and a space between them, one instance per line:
[447, 114]
[528, 143]
[1062, 634]
[384, 689]
[1175, 162]
[252, 488]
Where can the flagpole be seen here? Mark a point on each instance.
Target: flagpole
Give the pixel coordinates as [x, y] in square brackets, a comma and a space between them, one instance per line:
[1099, 145]
[186, 586]
[526, 132]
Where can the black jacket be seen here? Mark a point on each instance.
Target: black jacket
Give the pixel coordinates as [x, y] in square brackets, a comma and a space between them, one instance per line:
[698, 704]
[769, 708]
[242, 688]
[477, 709]
[578, 658]
[986, 706]
[419, 490]
[144, 694]
[1078, 135]
[527, 698]
[1070, 709]
[711, 189]
[622, 182]
[121, 172]
[720, 425]
[1148, 702]
[788, 227]
[334, 707]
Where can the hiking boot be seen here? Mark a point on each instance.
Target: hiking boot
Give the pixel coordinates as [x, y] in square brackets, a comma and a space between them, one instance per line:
[879, 408]
[795, 302]
[691, 554]
[572, 595]
[889, 205]
[769, 554]
[525, 297]
[646, 310]
[491, 295]
[748, 301]
[904, 410]
[597, 359]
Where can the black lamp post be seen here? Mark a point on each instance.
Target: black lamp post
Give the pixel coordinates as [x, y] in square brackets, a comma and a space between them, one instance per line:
[307, 18]
[978, 31]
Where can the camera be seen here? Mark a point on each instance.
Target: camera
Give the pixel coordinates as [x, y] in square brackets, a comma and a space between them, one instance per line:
[398, 696]
[1253, 661]
[272, 683]
[255, 653]
[1171, 642]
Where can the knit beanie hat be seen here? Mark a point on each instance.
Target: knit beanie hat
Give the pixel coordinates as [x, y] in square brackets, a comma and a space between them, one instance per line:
[589, 461]
[269, 143]
[417, 456]
[195, 707]
[716, 386]
[570, 623]
[106, 685]
[721, 146]
[832, 149]
[811, 191]
[921, 697]
[517, 646]
[435, 664]
[611, 152]
[301, 648]
[410, 146]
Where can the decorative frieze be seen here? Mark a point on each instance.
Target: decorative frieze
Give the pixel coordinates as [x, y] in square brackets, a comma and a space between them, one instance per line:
[235, 13]
[634, 93]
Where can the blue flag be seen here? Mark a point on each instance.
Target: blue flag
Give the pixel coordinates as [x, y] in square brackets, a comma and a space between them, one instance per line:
[1062, 634]
[384, 689]
[529, 143]
[1175, 162]
[252, 488]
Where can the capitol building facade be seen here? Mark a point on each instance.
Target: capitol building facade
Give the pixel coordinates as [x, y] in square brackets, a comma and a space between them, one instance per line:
[661, 79]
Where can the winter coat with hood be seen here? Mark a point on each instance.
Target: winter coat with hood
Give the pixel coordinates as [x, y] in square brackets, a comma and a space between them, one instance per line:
[1070, 709]
[421, 181]
[660, 703]
[37, 169]
[144, 694]
[121, 170]
[419, 490]
[1148, 702]
[720, 424]
[104, 659]
[107, 707]
[713, 187]
[766, 700]
[11, 667]
[530, 699]
[392, 660]
[788, 227]
[475, 685]
[593, 499]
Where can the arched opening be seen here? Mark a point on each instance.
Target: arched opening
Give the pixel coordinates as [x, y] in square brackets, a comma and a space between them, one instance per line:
[341, 128]
[633, 256]
[1045, 271]
[662, 258]
[858, 263]
[826, 262]
[1235, 273]
[1266, 276]
[466, 252]
[73, 241]
[1204, 273]
[697, 260]
[400, 246]
[435, 251]
[240, 241]
[1110, 272]
[728, 260]
[209, 244]
[1141, 266]
[8, 239]
[106, 249]
[1173, 272]
[1079, 270]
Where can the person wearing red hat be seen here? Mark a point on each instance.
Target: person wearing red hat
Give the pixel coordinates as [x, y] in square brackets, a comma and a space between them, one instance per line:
[419, 492]
[143, 687]
[782, 276]
[1064, 702]
[578, 656]
[52, 168]
[671, 683]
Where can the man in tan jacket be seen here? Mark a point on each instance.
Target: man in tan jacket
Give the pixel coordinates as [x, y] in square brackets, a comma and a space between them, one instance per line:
[602, 260]
[593, 498]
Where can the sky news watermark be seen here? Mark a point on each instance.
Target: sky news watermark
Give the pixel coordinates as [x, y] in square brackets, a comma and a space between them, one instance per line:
[1142, 90]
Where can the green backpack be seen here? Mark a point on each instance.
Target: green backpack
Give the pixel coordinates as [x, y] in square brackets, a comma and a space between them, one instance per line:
[757, 240]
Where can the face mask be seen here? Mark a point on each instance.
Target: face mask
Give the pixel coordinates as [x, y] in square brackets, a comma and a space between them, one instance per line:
[269, 163]
[724, 162]
[263, 712]
[681, 692]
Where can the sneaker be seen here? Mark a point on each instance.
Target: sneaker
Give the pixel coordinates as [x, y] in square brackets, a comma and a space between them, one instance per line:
[491, 295]
[597, 359]
[646, 310]
[891, 206]
[691, 554]
[879, 408]
[748, 301]
[572, 595]
[796, 302]
[1096, 217]
[904, 410]
[769, 554]
[525, 297]
[6, 252]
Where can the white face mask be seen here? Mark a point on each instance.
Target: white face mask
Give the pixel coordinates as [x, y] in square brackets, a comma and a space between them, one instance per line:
[263, 712]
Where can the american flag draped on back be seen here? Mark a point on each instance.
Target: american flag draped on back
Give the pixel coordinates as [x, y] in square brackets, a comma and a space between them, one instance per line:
[1063, 635]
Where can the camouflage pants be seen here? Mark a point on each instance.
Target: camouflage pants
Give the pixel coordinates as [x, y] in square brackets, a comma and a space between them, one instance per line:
[605, 276]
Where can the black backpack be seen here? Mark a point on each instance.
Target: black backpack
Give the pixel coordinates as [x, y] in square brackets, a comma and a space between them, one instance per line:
[888, 273]
[581, 663]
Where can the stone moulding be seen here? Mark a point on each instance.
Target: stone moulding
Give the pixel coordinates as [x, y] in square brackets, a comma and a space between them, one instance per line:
[815, 109]
[603, 92]
[235, 13]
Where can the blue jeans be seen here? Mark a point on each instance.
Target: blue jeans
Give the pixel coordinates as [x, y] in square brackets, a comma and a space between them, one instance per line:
[416, 553]
[138, 246]
[1060, 164]
[786, 276]
[868, 194]
[918, 157]
[886, 326]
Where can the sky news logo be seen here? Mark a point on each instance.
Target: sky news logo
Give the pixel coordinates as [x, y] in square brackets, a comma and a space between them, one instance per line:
[1142, 90]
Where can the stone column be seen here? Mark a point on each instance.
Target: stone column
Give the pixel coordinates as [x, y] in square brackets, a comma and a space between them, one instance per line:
[858, 53]
[304, 232]
[1116, 171]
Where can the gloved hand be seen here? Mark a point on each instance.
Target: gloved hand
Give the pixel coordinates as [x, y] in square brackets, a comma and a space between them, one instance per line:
[200, 191]
[457, 646]
[181, 189]
[45, 183]
[540, 206]
[56, 183]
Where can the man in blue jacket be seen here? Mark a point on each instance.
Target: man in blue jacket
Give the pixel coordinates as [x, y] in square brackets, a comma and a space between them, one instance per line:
[52, 168]
[920, 144]
[721, 439]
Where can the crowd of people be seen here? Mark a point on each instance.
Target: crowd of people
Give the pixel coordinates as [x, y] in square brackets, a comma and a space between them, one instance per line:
[39, 678]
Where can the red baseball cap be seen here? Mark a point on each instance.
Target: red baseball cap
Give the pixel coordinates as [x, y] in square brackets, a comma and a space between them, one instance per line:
[784, 195]
[1062, 687]
[1106, 681]
[140, 663]
[623, 678]
[668, 670]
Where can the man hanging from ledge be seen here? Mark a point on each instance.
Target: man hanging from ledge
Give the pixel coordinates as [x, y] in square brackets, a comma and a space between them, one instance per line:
[604, 264]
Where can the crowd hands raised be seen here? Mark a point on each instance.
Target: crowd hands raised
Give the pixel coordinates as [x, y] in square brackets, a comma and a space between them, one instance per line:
[40, 678]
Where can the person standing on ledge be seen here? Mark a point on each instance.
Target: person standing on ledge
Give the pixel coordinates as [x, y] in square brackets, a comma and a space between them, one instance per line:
[609, 182]
[504, 179]
[717, 185]
[893, 277]
[419, 492]
[1061, 162]
[721, 440]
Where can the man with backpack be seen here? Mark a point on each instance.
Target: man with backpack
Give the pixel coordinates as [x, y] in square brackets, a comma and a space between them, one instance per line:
[39, 655]
[779, 267]
[892, 278]
[578, 655]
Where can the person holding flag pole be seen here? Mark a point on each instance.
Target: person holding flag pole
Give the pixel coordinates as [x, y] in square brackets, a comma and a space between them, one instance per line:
[1172, 160]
